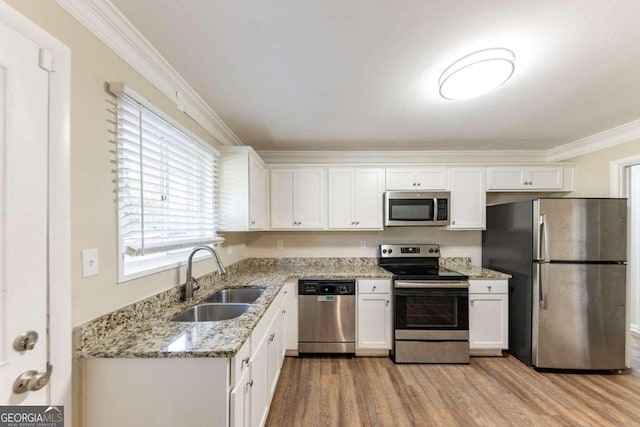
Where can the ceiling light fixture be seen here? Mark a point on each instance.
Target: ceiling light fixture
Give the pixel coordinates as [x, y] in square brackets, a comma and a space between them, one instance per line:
[477, 73]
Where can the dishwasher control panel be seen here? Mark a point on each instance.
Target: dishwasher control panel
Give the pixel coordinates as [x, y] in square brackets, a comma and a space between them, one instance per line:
[326, 287]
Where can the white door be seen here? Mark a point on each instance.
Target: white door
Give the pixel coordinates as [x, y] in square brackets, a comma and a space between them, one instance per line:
[257, 195]
[341, 193]
[283, 187]
[374, 321]
[468, 198]
[368, 198]
[311, 196]
[24, 89]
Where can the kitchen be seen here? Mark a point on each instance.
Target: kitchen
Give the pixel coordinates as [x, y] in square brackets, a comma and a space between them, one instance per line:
[92, 200]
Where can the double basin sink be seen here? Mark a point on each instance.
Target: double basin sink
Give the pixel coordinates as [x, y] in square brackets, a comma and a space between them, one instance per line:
[223, 305]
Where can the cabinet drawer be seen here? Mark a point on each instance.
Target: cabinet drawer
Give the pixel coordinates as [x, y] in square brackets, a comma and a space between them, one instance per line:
[240, 362]
[488, 286]
[374, 286]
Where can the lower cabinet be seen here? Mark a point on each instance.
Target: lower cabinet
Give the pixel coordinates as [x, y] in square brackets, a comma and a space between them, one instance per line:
[374, 322]
[199, 391]
[488, 317]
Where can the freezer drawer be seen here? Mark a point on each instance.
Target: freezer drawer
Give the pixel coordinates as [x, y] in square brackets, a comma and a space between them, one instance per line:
[579, 316]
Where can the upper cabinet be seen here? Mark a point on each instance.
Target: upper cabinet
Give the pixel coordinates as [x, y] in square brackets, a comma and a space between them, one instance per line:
[355, 198]
[425, 178]
[298, 198]
[468, 198]
[527, 178]
[243, 190]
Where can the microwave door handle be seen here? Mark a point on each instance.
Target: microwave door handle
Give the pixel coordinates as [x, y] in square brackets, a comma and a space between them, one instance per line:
[435, 209]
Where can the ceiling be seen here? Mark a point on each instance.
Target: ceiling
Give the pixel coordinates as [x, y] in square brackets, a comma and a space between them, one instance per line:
[362, 74]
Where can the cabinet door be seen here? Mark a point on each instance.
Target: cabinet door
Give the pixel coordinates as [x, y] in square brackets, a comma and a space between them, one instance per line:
[259, 384]
[369, 187]
[505, 178]
[283, 188]
[401, 179]
[257, 195]
[340, 195]
[468, 198]
[545, 178]
[488, 321]
[240, 402]
[291, 316]
[431, 178]
[374, 321]
[274, 355]
[310, 199]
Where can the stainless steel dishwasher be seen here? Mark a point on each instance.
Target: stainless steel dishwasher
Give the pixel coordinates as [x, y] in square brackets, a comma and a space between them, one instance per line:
[326, 316]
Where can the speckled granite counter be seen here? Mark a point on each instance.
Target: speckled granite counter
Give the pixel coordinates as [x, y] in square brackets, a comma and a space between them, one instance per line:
[145, 330]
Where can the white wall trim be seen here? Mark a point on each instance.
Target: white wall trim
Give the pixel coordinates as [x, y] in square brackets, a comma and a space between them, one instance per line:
[59, 203]
[615, 136]
[105, 21]
[404, 157]
[617, 178]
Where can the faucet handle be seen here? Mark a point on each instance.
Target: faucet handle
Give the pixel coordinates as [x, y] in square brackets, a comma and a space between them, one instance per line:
[196, 285]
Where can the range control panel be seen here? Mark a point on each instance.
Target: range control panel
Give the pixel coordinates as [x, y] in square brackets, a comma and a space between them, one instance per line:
[326, 287]
[409, 250]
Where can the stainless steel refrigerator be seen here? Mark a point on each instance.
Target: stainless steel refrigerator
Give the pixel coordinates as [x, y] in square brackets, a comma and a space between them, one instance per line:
[567, 295]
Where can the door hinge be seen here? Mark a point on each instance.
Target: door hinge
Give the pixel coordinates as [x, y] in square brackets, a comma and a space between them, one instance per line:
[45, 61]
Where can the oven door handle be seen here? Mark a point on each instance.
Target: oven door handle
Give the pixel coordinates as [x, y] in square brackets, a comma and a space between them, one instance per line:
[436, 284]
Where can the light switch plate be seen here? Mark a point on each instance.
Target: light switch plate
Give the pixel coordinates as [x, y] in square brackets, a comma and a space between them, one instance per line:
[90, 265]
[279, 244]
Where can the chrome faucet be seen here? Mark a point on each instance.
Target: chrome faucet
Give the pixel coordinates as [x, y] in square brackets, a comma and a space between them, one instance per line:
[191, 284]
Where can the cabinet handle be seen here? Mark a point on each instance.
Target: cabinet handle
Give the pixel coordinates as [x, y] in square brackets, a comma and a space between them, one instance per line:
[353, 223]
[244, 361]
[415, 184]
[284, 312]
[357, 222]
[272, 336]
[373, 289]
[471, 302]
[387, 302]
[453, 223]
[489, 288]
[418, 184]
[250, 383]
[253, 222]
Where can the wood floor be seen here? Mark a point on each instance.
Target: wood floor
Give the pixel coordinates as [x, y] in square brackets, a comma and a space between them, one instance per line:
[501, 391]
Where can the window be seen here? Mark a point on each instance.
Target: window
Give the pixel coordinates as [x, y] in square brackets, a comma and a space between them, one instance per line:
[166, 188]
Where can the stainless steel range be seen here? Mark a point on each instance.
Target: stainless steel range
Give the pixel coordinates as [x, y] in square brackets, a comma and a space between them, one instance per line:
[431, 305]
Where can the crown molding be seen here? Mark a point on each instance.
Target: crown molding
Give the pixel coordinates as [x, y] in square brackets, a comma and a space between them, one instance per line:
[403, 157]
[107, 23]
[615, 136]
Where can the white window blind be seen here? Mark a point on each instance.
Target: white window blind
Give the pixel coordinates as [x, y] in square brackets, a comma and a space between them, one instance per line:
[167, 182]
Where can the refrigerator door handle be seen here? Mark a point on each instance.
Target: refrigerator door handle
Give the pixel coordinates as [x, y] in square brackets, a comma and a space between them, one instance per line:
[543, 237]
[541, 277]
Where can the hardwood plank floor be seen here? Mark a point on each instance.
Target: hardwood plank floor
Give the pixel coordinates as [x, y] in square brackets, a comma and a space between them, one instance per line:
[500, 391]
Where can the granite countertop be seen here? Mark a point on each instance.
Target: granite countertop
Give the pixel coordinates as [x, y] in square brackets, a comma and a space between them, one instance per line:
[145, 330]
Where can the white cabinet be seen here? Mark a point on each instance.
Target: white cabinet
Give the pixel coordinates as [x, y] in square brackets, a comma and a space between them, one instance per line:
[427, 178]
[468, 200]
[355, 198]
[291, 317]
[529, 178]
[240, 402]
[488, 317]
[374, 320]
[298, 198]
[243, 190]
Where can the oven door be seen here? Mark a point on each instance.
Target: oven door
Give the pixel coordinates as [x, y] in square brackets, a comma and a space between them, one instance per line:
[431, 313]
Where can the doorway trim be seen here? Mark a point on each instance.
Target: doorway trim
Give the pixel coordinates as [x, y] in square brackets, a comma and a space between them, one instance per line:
[59, 203]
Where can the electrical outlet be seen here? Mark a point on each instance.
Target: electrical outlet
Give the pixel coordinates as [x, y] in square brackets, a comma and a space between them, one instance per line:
[363, 244]
[279, 244]
[90, 265]
[229, 249]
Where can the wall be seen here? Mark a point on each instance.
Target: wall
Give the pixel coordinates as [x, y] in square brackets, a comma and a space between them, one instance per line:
[347, 243]
[93, 203]
[591, 174]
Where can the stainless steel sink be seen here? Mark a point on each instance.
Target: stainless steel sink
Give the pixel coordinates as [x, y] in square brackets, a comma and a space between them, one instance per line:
[234, 295]
[211, 312]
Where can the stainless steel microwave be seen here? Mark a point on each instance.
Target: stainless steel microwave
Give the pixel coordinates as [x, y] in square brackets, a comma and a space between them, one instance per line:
[416, 208]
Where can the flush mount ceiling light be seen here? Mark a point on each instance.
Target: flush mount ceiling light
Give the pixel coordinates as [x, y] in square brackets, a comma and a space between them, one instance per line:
[477, 73]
